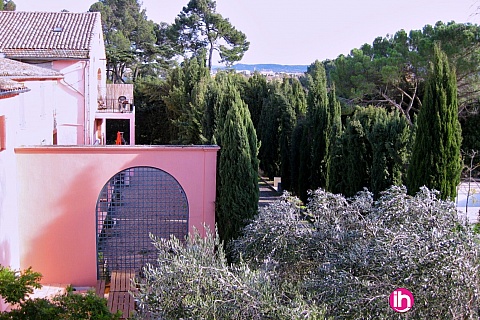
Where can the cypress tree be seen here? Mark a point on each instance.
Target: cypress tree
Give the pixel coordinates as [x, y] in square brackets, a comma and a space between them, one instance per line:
[268, 130]
[371, 153]
[436, 160]
[334, 129]
[186, 100]
[255, 93]
[296, 180]
[237, 187]
[356, 157]
[287, 125]
[317, 110]
[305, 160]
[299, 100]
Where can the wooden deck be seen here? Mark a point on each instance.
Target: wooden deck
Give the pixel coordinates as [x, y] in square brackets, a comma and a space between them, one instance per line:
[118, 292]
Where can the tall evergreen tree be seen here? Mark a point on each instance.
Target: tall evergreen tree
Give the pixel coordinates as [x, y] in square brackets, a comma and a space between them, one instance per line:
[372, 152]
[186, 100]
[287, 121]
[237, 188]
[334, 129]
[436, 160]
[298, 172]
[152, 113]
[268, 130]
[357, 157]
[317, 111]
[254, 96]
[298, 97]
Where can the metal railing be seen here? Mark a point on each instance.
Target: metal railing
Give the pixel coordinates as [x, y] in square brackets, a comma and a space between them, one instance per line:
[116, 105]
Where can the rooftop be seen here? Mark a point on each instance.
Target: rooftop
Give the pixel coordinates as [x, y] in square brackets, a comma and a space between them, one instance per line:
[27, 35]
[11, 87]
[12, 69]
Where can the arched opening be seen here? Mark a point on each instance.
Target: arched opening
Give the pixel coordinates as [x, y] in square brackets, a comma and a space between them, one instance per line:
[133, 204]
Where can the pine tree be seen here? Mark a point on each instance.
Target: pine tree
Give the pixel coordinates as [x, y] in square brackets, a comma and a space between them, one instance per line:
[436, 160]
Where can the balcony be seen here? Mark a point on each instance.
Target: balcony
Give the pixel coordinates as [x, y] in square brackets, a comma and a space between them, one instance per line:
[118, 99]
[123, 105]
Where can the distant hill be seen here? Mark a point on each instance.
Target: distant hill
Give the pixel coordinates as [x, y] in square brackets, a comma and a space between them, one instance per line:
[268, 67]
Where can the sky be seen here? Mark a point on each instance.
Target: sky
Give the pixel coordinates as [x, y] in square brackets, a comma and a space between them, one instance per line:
[299, 32]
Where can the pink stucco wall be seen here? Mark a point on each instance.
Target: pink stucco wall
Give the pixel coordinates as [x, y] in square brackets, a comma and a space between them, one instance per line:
[8, 185]
[58, 191]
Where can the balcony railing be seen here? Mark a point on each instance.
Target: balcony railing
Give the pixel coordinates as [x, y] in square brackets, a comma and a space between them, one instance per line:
[116, 98]
[120, 105]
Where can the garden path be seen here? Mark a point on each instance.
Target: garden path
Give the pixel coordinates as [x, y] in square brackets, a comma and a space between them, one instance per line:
[267, 193]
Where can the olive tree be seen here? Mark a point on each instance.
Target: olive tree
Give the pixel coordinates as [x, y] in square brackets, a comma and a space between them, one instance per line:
[351, 254]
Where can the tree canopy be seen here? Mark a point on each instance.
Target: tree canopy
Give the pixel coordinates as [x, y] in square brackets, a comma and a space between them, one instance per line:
[133, 43]
[391, 71]
[199, 27]
[7, 5]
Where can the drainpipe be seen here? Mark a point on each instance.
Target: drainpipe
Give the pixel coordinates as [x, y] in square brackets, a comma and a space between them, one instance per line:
[84, 95]
[86, 104]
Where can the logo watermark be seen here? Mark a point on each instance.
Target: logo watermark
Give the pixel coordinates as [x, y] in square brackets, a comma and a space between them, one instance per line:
[401, 300]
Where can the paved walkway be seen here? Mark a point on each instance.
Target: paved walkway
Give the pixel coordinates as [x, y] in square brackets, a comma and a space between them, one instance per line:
[267, 192]
[472, 209]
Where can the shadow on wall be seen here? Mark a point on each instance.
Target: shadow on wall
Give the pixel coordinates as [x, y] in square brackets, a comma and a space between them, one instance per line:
[59, 237]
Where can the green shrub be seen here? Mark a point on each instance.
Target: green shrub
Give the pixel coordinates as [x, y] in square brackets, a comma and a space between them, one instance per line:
[67, 306]
[16, 285]
[38, 309]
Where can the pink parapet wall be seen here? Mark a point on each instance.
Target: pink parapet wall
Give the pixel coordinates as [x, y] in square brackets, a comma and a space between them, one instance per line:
[58, 192]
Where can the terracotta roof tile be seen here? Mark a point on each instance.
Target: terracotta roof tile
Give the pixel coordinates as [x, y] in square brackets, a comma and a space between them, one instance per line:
[14, 69]
[46, 34]
[8, 85]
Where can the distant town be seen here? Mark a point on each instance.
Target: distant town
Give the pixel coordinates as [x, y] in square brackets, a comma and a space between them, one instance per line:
[268, 70]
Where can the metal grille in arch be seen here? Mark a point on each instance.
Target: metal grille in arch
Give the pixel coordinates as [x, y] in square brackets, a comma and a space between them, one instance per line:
[132, 205]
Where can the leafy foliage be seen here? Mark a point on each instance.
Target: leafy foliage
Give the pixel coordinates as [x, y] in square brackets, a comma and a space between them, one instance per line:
[334, 130]
[199, 27]
[193, 280]
[354, 252]
[16, 285]
[255, 94]
[7, 5]
[132, 42]
[66, 306]
[391, 71]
